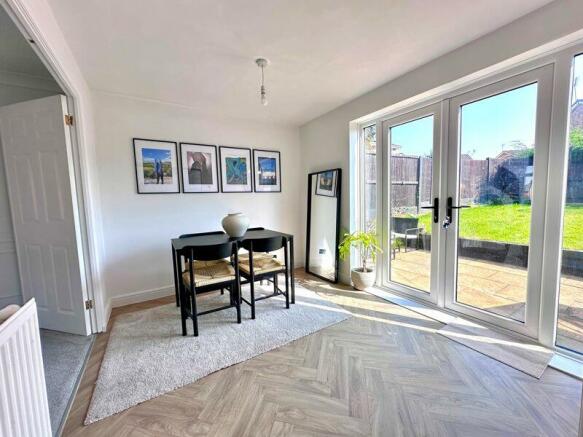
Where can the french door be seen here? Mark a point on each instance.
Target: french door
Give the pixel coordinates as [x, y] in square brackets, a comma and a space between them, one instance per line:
[464, 200]
[496, 188]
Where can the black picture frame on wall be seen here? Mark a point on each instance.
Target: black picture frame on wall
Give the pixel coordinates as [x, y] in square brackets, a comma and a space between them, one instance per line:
[209, 151]
[151, 179]
[236, 169]
[271, 159]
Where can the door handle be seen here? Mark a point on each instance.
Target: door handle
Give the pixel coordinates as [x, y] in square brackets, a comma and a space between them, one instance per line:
[435, 208]
[451, 207]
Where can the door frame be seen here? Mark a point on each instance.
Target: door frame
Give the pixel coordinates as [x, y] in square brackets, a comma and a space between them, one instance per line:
[543, 76]
[87, 225]
[560, 54]
[434, 110]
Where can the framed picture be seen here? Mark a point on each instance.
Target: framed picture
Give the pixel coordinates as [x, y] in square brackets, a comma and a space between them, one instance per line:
[267, 171]
[326, 184]
[235, 169]
[199, 168]
[156, 166]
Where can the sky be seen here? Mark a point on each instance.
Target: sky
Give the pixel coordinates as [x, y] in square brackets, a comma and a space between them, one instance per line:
[150, 155]
[486, 125]
[267, 164]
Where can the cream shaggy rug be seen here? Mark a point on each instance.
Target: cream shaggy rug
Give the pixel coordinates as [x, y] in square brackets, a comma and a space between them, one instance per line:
[147, 356]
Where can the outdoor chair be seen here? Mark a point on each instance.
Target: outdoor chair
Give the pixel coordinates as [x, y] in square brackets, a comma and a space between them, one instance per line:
[406, 229]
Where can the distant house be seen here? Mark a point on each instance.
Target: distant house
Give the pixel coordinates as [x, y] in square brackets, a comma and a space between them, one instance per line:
[508, 154]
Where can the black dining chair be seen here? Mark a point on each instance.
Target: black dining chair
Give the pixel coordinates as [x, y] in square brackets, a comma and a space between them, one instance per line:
[245, 256]
[207, 269]
[261, 265]
[198, 234]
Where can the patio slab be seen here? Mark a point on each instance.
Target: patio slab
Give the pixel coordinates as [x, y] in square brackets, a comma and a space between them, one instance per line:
[498, 288]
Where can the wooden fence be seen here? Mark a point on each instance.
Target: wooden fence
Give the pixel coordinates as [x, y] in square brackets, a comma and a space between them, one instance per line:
[482, 181]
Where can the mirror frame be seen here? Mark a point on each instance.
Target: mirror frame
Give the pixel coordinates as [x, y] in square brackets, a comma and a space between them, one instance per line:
[308, 230]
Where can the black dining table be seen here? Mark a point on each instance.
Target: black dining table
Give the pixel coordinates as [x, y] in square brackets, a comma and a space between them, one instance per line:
[178, 244]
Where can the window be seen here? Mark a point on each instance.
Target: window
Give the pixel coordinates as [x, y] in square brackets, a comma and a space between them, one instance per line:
[370, 176]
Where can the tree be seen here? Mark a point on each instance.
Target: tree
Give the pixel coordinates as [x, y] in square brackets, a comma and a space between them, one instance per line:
[576, 138]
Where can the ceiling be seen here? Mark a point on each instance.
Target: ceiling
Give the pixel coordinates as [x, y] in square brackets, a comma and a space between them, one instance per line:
[16, 55]
[323, 53]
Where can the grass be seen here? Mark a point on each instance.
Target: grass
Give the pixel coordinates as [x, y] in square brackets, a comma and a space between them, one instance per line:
[511, 224]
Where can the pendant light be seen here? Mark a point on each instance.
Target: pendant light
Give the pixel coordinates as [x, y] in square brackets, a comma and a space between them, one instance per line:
[262, 63]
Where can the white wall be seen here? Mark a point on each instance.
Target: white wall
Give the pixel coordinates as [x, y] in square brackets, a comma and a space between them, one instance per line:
[325, 140]
[138, 227]
[13, 89]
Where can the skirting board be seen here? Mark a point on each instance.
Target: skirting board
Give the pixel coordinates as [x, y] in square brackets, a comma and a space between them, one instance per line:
[141, 296]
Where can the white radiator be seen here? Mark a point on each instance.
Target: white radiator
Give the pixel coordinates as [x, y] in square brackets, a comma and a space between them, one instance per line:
[24, 409]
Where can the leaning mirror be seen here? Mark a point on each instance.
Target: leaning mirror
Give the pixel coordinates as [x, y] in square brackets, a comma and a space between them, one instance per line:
[323, 224]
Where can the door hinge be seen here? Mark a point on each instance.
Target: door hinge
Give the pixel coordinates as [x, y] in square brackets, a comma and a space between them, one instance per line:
[69, 120]
[89, 304]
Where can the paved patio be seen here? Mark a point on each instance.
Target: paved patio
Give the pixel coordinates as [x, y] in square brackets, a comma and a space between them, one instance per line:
[497, 288]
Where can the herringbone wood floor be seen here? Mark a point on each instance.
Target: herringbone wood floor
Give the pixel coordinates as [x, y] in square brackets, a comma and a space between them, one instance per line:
[383, 372]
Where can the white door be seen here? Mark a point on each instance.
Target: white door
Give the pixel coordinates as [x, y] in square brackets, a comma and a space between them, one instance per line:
[36, 144]
[497, 172]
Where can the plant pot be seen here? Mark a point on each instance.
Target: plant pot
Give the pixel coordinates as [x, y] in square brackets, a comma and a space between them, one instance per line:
[362, 280]
[235, 224]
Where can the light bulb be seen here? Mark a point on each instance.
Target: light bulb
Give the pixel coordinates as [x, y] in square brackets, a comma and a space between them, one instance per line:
[262, 63]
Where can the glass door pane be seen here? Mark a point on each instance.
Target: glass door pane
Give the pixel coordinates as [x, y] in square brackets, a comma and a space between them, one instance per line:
[570, 317]
[412, 147]
[370, 176]
[411, 174]
[497, 172]
[497, 156]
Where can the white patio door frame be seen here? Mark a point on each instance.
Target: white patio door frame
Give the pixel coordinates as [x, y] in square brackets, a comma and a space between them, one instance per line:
[552, 68]
[543, 77]
[436, 111]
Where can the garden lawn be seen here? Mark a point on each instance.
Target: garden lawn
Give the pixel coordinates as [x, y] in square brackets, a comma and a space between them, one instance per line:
[511, 224]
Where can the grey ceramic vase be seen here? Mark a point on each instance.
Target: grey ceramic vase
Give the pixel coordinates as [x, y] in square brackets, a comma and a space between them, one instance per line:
[235, 224]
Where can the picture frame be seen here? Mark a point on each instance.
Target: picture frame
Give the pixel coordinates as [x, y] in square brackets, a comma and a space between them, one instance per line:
[156, 166]
[267, 171]
[326, 184]
[236, 171]
[199, 168]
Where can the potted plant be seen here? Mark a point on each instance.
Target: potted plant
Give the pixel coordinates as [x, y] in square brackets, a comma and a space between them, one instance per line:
[367, 244]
